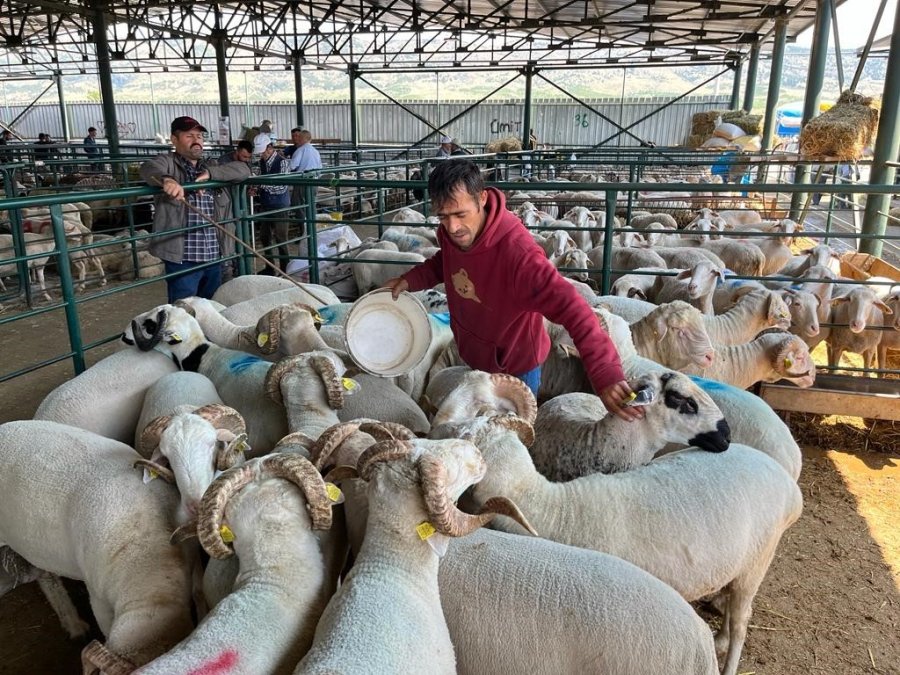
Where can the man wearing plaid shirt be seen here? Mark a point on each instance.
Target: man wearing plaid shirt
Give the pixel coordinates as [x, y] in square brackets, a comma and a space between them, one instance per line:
[192, 255]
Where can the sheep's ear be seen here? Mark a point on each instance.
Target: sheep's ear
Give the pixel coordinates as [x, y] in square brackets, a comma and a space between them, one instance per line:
[883, 307]
[660, 328]
[636, 293]
[839, 301]
[686, 274]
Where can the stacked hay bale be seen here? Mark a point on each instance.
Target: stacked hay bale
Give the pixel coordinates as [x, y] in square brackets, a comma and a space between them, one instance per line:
[703, 125]
[508, 144]
[842, 132]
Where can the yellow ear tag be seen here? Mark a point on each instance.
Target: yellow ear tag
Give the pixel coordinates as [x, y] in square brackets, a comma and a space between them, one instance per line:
[334, 492]
[262, 339]
[425, 530]
[350, 385]
[175, 336]
[788, 363]
[153, 474]
[226, 534]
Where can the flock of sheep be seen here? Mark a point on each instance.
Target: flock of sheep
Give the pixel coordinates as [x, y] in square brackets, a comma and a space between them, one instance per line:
[343, 514]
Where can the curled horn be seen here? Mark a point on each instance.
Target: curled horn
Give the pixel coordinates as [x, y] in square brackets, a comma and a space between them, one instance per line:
[163, 472]
[97, 658]
[523, 428]
[295, 442]
[444, 514]
[330, 440]
[325, 367]
[152, 432]
[223, 417]
[512, 388]
[383, 451]
[187, 307]
[340, 473]
[304, 475]
[781, 363]
[212, 508]
[273, 327]
[274, 376]
[383, 431]
[184, 533]
[146, 344]
[313, 312]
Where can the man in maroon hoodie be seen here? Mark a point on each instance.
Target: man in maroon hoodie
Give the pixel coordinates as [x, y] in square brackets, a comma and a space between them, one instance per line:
[500, 285]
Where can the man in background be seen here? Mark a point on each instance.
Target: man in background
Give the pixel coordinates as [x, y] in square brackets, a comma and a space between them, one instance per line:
[242, 153]
[303, 158]
[90, 144]
[274, 198]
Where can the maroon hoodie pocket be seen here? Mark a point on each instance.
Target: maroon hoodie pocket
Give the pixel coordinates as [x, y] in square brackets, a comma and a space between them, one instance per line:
[477, 352]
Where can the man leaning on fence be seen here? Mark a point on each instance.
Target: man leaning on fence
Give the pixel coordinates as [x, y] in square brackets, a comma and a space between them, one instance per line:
[189, 253]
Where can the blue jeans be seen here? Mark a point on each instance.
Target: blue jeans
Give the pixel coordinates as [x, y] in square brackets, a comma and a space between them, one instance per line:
[532, 379]
[203, 281]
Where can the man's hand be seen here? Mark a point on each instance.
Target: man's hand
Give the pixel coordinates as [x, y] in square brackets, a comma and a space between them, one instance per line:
[397, 286]
[614, 396]
[173, 188]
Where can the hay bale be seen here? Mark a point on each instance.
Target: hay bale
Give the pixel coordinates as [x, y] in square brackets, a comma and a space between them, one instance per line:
[843, 131]
[508, 144]
[751, 124]
[695, 140]
[704, 123]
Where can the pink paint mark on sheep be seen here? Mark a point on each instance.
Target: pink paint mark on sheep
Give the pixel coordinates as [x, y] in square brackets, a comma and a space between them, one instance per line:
[224, 663]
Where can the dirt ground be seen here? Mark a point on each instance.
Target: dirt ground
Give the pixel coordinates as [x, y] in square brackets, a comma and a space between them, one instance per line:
[830, 603]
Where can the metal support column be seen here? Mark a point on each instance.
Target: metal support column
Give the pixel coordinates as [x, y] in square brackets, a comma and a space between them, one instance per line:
[354, 113]
[104, 73]
[774, 82]
[526, 112]
[296, 65]
[736, 86]
[63, 117]
[887, 146]
[815, 80]
[752, 67]
[218, 40]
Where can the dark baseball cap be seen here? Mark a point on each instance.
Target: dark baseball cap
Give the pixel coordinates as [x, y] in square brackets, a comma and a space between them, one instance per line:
[186, 124]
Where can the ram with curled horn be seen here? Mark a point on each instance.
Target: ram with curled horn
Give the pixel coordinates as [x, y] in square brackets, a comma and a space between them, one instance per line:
[412, 487]
[273, 508]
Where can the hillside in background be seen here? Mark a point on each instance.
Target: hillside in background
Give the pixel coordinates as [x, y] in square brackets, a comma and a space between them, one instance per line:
[320, 85]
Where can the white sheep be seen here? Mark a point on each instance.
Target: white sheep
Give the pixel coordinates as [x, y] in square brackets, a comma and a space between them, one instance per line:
[624, 260]
[487, 577]
[374, 267]
[821, 254]
[249, 311]
[742, 257]
[641, 286]
[852, 313]
[271, 511]
[574, 263]
[698, 523]
[170, 393]
[97, 523]
[773, 355]
[380, 398]
[741, 219]
[890, 336]
[239, 377]
[684, 258]
[753, 311]
[407, 215]
[804, 309]
[751, 420]
[412, 486]
[35, 244]
[674, 335]
[107, 397]
[575, 436]
[731, 290]
[250, 286]
[695, 286]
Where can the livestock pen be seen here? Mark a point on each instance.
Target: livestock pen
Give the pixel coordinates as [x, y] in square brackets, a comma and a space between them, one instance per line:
[95, 318]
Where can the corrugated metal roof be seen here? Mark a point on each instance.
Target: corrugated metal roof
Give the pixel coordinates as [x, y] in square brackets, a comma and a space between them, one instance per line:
[53, 36]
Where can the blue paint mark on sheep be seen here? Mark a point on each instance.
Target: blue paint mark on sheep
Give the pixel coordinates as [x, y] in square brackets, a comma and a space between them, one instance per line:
[242, 363]
[710, 385]
[328, 314]
[441, 317]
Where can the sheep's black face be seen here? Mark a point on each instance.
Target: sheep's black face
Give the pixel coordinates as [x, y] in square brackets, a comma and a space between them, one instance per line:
[686, 405]
[714, 441]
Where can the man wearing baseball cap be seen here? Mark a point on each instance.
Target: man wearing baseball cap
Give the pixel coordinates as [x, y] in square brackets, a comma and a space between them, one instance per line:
[446, 148]
[192, 255]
